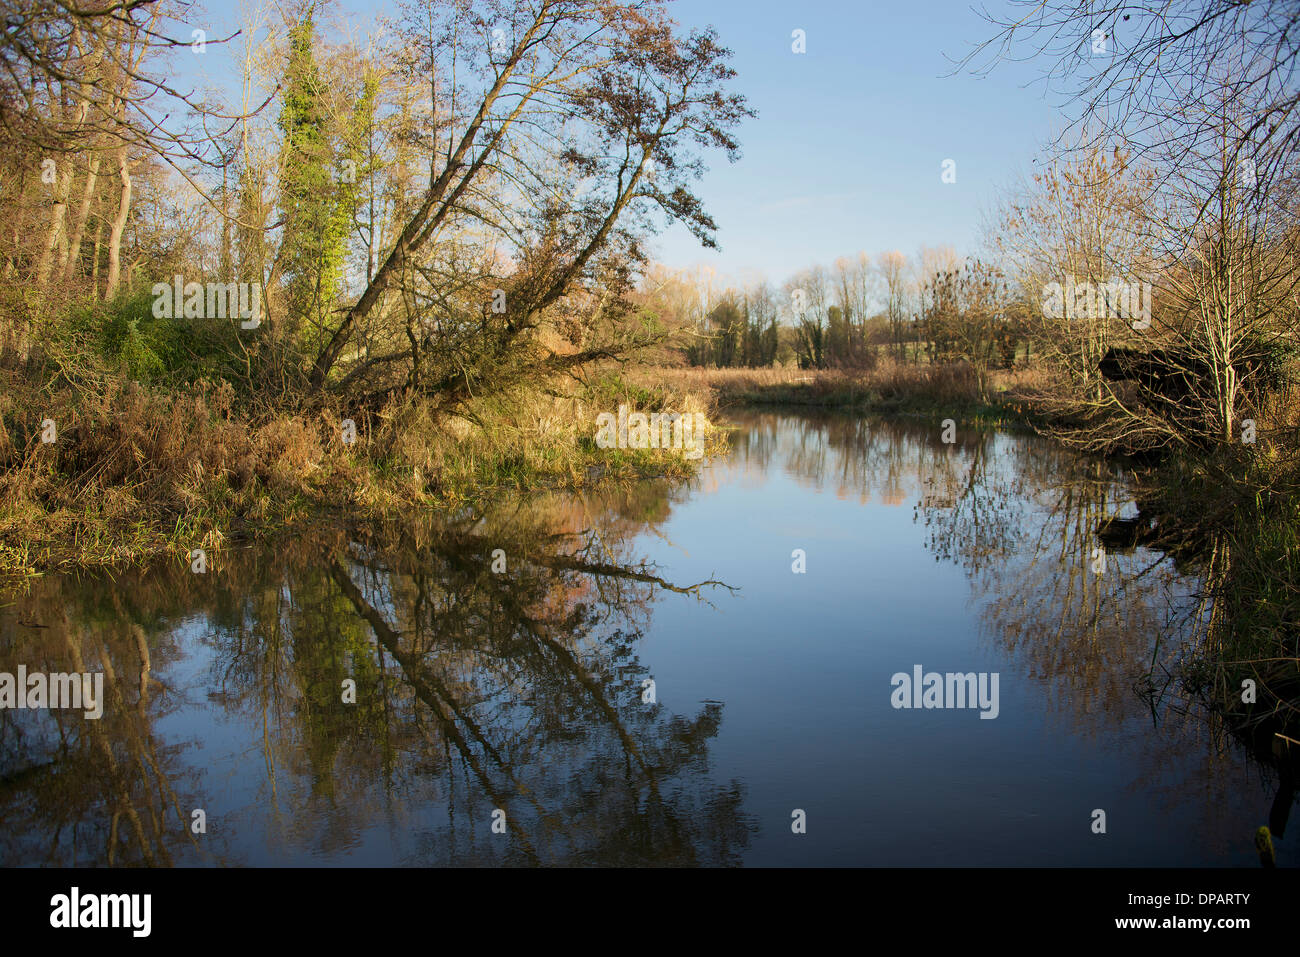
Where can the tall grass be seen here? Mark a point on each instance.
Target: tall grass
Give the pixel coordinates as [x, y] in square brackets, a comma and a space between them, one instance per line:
[139, 470]
[890, 387]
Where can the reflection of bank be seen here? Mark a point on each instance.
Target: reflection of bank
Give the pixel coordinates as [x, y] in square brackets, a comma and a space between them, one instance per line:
[1286, 755]
[552, 644]
[873, 459]
[474, 690]
[82, 789]
[1148, 615]
[1250, 691]
[1281, 752]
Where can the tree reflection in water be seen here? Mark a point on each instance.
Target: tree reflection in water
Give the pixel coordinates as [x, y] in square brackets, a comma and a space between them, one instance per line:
[1021, 516]
[521, 690]
[475, 690]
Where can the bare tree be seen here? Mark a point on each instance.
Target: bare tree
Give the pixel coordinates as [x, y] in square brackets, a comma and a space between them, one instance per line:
[585, 120]
[1125, 68]
[892, 267]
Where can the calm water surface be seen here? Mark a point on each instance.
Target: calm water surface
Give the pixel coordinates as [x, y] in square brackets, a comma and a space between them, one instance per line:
[528, 690]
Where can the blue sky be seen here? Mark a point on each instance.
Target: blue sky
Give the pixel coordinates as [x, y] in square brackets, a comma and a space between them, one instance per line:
[846, 152]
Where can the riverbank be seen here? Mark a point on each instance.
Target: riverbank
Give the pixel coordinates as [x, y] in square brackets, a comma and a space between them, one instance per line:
[890, 388]
[121, 473]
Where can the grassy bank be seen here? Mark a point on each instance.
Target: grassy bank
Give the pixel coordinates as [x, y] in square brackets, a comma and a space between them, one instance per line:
[134, 471]
[890, 388]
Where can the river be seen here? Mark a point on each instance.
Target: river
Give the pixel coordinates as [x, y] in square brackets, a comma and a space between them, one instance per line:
[700, 674]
